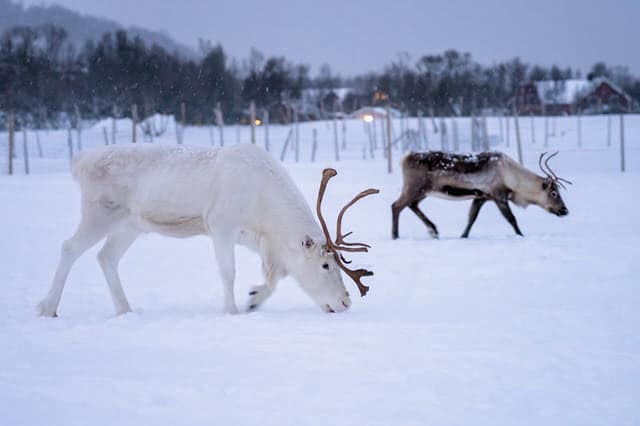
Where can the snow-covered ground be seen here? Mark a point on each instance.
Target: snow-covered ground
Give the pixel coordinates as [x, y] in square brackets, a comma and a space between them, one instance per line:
[492, 330]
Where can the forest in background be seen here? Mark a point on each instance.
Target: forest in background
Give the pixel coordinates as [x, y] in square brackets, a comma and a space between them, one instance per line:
[47, 80]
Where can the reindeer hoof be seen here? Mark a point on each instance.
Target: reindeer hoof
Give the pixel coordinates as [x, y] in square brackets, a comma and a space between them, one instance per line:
[123, 311]
[44, 311]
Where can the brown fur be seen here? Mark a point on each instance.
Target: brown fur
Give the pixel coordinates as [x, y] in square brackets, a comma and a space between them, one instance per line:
[442, 161]
[486, 176]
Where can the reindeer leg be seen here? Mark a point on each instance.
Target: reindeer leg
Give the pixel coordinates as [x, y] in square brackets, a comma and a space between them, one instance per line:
[109, 257]
[396, 208]
[432, 228]
[224, 246]
[473, 215]
[503, 206]
[95, 224]
[261, 293]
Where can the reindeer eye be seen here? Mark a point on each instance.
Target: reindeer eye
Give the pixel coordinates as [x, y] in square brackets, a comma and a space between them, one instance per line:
[554, 194]
[325, 266]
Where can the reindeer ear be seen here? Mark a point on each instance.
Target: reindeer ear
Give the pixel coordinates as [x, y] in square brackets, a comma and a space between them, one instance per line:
[308, 242]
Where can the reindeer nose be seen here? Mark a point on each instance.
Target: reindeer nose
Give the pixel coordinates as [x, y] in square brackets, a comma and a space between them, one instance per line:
[563, 211]
[340, 306]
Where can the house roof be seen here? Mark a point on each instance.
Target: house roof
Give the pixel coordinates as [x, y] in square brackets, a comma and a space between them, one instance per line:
[562, 91]
[553, 92]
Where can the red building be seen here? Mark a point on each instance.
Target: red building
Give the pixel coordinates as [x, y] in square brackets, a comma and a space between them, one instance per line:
[566, 97]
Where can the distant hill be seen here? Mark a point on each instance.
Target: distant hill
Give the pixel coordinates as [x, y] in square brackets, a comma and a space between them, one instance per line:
[80, 27]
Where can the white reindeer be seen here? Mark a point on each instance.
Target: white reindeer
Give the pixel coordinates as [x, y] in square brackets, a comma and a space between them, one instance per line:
[235, 195]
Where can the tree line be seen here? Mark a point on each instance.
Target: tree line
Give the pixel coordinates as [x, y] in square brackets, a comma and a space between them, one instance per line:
[45, 80]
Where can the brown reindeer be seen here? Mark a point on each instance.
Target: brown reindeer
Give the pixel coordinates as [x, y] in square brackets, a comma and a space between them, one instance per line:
[487, 176]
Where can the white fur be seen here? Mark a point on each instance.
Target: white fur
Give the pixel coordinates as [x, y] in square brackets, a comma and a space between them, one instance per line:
[235, 195]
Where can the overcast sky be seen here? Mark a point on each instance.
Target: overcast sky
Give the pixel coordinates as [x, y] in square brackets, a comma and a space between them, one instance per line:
[355, 36]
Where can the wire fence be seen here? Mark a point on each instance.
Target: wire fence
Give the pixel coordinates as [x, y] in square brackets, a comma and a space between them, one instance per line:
[611, 140]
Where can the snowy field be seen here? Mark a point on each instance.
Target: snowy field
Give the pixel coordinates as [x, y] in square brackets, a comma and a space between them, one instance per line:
[493, 330]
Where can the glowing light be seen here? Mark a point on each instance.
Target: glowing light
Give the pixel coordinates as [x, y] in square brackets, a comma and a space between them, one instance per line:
[257, 122]
[368, 118]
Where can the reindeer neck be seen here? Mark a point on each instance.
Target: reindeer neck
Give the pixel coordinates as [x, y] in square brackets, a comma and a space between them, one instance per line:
[290, 220]
[525, 185]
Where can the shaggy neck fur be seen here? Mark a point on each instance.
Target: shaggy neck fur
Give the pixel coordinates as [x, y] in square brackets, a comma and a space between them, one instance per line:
[291, 220]
[526, 185]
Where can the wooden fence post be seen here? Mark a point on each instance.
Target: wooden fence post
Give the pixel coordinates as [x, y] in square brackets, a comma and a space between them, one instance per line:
[420, 129]
[25, 150]
[622, 164]
[211, 138]
[372, 146]
[336, 145]
[473, 133]
[134, 121]
[11, 128]
[335, 133]
[252, 118]
[433, 121]
[367, 129]
[286, 143]
[518, 141]
[485, 133]
[297, 134]
[78, 128]
[220, 122]
[314, 145]
[508, 130]
[70, 145]
[374, 133]
[454, 134]
[344, 133]
[183, 123]
[389, 163]
[444, 136]
[533, 129]
[38, 144]
[579, 130]
[114, 125]
[265, 123]
[106, 137]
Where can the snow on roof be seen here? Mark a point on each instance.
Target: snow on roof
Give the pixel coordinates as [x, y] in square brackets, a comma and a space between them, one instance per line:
[376, 112]
[562, 91]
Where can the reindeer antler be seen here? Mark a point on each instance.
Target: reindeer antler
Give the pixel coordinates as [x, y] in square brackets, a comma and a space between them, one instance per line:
[550, 174]
[339, 245]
